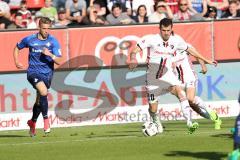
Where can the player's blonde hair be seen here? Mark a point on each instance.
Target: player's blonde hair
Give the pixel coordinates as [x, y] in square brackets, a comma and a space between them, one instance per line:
[45, 20]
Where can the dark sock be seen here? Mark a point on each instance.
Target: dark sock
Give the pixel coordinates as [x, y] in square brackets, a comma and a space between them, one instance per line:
[236, 146]
[36, 112]
[44, 106]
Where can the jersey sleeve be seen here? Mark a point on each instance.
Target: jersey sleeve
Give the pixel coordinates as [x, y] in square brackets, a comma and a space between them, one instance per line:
[144, 43]
[23, 43]
[181, 44]
[56, 48]
[189, 45]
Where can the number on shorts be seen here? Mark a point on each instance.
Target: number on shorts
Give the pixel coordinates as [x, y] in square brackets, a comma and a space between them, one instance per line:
[151, 97]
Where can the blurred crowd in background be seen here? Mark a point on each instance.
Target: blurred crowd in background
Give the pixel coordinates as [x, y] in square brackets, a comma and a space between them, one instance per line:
[75, 13]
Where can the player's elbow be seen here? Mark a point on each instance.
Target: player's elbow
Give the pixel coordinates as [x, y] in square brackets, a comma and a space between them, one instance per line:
[190, 99]
[58, 61]
[16, 48]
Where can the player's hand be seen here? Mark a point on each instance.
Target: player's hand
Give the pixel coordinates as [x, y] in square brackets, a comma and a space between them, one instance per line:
[215, 63]
[204, 70]
[132, 64]
[19, 65]
[212, 62]
[46, 52]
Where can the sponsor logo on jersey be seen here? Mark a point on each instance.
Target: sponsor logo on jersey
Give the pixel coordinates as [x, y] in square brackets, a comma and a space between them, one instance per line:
[166, 53]
[48, 44]
[36, 50]
[59, 52]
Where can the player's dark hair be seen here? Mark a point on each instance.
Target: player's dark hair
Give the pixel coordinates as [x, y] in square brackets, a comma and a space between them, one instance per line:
[165, 22]
[45, 20]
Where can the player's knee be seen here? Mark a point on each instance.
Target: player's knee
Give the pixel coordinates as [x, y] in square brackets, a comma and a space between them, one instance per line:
[153, 106]
[190, 99]
[181, 94]
[42, 89]
[173, 91]
[43, 92]
[153, 102]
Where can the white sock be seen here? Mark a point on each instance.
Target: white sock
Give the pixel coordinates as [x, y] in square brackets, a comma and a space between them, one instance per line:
[187, 113]
[154, 116]
[156, 120]
[202, 106]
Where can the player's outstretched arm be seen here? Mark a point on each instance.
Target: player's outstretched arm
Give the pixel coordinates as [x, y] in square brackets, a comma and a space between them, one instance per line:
[133, 62]
[15, 56]
[56, 59]
[196, 54]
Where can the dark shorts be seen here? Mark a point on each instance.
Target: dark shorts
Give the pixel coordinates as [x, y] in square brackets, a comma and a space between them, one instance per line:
[236, 135]
[35, 78]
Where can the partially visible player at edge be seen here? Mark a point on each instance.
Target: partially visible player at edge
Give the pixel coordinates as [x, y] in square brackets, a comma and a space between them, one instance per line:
[189, 79]
[44, 51]
[162, 48]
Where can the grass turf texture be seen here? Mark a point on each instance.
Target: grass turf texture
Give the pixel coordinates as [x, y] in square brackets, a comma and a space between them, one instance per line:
[120, 142]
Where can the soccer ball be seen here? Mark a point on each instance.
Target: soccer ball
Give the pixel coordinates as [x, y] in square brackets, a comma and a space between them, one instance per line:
[149, 129]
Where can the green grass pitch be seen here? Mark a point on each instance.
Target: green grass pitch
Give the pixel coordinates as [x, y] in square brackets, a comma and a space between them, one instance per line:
[120, 142]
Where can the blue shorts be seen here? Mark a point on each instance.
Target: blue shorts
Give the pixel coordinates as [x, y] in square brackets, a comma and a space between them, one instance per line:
[236, 135]
[35, 78]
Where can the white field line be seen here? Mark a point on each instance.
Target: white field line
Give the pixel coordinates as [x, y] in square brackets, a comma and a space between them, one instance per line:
[103, 138]
[66, 141]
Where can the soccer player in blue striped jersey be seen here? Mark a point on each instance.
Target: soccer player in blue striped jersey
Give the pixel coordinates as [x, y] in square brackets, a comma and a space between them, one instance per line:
[44, 51]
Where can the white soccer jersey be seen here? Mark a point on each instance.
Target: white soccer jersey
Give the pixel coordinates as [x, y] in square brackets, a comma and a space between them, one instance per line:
[160, 73]
[184, 69]
[162, 49]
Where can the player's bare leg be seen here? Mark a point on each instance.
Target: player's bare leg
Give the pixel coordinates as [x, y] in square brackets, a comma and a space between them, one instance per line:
[190, 96]
[187, 113]
[153, 106]
[184, 104]
[43, 91]
[199, 106]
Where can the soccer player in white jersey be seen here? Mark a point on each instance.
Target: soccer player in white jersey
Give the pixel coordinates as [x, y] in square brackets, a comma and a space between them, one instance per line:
[160, 70]
[188, 78]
